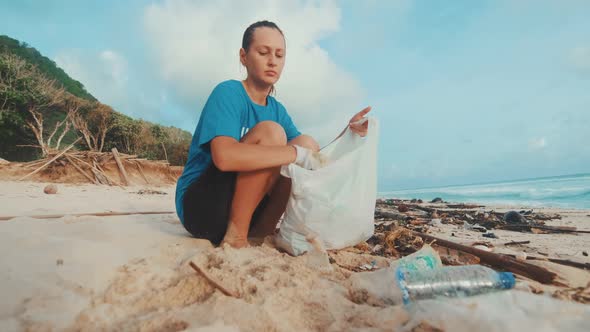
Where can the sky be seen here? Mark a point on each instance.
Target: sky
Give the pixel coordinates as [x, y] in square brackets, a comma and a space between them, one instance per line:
[464, 91]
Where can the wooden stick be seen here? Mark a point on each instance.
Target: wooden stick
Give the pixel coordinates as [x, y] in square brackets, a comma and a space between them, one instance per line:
[502, 262]
[81, 170]
[165, 153]
[554, 229]
[513, 243]
[98, 214]
[51, 160]
[141, 172]
[121, 167]
[213, 282]
[567, 262]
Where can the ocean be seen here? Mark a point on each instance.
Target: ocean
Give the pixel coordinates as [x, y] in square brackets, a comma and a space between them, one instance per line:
[567, 191]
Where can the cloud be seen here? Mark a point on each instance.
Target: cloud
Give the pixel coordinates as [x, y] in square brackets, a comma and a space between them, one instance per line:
[196, 45]
[105, 74]
[537, 143]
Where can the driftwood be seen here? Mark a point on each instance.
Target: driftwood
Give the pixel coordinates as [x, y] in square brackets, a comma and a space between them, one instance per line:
[51, 160]
[580, 265]
[389, 215]
[503, 262]
[464, 206]
[81, 170]
[141, 171]
[514, 243]
[111, 181]
[98, 214]
[213, 282]
[545, 228]
[121, 167]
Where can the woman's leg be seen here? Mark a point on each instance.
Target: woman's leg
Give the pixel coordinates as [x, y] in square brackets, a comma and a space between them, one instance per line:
[251, 187]
[279, 195]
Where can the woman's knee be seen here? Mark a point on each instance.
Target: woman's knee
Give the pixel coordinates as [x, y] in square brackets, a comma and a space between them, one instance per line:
[305, 141]
[269, 132]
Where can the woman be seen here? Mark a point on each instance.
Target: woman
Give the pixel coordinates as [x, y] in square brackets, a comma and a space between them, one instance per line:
[231, 186]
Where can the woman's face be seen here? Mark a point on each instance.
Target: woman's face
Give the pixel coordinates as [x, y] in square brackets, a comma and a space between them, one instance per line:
[265, 58]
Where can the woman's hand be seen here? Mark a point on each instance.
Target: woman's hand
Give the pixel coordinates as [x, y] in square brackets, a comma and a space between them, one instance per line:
[360, 129]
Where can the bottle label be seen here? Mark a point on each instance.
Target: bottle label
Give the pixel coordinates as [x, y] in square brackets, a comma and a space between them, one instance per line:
[420, 263]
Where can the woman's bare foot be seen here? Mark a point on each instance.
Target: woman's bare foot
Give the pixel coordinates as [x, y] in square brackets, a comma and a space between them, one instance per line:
[235, 242]
[235, 238]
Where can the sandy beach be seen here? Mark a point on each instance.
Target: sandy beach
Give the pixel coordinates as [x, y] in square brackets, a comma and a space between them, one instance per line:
[132, 273]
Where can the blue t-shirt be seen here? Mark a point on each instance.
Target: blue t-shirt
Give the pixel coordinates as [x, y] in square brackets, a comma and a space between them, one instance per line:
[229, 111]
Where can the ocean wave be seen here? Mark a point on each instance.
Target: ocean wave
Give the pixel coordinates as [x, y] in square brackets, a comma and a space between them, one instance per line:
[564, 191]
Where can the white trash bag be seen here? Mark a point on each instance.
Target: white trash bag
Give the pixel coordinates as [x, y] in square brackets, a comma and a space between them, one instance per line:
[336, 203]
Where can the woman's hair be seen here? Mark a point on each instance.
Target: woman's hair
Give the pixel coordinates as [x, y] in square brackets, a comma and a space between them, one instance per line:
[249, 35]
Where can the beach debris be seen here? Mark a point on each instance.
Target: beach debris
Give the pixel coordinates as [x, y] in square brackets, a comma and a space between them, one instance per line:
[150, 192]
[59, 261]
[482, 247]
[213, 283]
[578, 294]
[490, 235]
[503, 262]
[403, 208]
[400, 242]
[521, 256]
[539, 228]
[377, 249]
[455, 257]
[513, 217]
[51, 160]
[464, 206]
[124, 176]
[474, 227]
[585, 253]
[481, 220]
[515, 243]
[50, 189]
[437, 200]
[92, 164]
[391, 215]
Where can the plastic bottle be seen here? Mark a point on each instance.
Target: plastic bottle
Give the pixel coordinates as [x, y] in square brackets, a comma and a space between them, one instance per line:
[379, 287]
[451, 281]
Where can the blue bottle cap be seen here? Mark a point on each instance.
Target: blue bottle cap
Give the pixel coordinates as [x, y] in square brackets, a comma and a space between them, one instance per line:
[506, 280]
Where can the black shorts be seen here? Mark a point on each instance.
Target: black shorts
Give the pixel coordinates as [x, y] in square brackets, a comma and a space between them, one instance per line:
[207, 204]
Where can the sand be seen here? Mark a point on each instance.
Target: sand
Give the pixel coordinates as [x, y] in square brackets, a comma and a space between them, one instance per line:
[131, 273]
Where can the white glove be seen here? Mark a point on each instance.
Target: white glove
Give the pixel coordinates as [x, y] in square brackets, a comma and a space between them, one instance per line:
[309, 159]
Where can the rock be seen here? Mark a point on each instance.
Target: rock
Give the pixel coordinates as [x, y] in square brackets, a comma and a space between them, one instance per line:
[414, 200]
[513, 217]
[584, 253]
[59, 261]
[403, 208]
[50, 189]
[420, 201]
[436, 200]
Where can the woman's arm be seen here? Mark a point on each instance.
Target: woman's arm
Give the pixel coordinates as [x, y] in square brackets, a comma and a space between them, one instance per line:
[229, 155]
